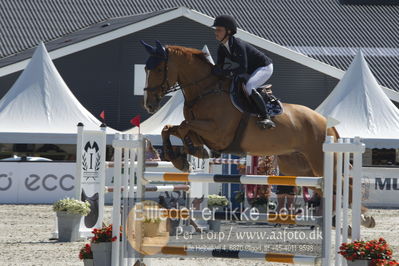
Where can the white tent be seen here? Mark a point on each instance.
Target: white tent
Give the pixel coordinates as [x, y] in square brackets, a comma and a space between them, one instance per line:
[169, 114]
[363, 108]
[40, 108]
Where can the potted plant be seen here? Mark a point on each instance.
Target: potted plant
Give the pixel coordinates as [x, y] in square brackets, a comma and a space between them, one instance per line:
[373, 253]
[151, 226]
[214, 203]
[69, 213]
[101, 245]
[86, 255]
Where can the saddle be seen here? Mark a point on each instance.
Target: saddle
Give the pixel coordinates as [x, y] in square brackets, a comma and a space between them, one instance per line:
[244, 104]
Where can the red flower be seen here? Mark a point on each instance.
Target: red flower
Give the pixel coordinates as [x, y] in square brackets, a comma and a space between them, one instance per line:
[85, 252]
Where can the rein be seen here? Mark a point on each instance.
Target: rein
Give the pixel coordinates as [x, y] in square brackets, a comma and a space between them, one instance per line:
[168, 88]
[190, 104]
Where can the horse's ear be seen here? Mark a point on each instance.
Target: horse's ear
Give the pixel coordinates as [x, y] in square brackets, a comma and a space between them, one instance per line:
[150, 49]
[161, 50]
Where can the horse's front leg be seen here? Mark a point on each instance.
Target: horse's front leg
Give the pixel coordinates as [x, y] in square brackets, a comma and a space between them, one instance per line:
[178, 159]
[193, 144]
[168, 151]
[191, 133]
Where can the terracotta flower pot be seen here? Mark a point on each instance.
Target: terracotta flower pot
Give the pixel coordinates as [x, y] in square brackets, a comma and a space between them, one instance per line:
[102, 253]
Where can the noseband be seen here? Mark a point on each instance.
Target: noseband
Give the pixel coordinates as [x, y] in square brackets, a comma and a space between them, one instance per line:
[165, 85]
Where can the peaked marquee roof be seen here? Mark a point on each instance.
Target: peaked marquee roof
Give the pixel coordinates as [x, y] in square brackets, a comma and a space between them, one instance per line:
[40, 108]
[361, 106]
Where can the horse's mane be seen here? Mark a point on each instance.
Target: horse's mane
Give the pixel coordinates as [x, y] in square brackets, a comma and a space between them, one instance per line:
[190, 53]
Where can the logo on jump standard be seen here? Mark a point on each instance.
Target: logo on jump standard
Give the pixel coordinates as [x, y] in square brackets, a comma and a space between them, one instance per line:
[91, 160]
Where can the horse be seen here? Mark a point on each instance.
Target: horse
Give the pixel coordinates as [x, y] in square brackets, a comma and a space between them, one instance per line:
[211, 119]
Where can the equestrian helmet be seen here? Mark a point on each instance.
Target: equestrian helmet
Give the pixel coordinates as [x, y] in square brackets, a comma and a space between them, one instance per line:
[226, 21]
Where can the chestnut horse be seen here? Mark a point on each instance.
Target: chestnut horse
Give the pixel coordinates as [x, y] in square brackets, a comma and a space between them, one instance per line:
[212, 120]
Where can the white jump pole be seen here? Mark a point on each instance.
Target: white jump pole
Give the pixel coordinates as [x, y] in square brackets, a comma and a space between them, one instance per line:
[116, 217]
[140, 197]
[125, 192]
[328, 205]
[79, 144]
[338, 205]
[132, 172]
[345, 197]
[357, 192]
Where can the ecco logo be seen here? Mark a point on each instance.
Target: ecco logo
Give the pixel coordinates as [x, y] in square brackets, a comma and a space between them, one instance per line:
[49, 182]
[7, 184]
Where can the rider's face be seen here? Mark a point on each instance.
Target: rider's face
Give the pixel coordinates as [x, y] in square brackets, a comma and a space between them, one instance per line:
[220, 33]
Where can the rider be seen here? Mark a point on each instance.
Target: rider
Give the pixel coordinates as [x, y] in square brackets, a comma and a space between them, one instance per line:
[252, 63]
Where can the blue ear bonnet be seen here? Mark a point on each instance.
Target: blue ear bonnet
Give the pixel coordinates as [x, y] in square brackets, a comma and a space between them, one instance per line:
[157, 54]
[153, 61]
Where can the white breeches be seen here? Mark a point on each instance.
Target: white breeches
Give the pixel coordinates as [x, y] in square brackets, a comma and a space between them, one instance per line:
[258, 78]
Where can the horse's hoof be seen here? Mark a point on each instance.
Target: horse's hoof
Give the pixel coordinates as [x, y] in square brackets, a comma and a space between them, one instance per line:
[367, 221]
[182, 164]
[201, 152]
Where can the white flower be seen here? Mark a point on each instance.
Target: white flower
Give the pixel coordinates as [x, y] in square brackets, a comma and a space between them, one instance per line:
[72, 206]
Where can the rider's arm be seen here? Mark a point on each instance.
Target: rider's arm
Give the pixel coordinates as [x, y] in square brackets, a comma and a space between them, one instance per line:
[218, 68]
[220, 56]
[242, 60]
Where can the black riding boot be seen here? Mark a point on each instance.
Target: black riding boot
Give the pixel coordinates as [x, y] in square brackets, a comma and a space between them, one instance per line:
[265, 122]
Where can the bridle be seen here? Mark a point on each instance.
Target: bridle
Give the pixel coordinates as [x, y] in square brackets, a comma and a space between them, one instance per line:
[167, 88]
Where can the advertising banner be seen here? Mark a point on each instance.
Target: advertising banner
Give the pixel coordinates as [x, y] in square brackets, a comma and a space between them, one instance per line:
[380, 187]
[36, 182]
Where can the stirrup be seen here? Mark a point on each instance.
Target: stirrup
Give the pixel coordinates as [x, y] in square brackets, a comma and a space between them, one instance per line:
[266, 86]
[265, 123]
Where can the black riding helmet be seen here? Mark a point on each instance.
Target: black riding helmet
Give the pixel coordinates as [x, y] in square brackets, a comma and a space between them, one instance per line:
[226, 21]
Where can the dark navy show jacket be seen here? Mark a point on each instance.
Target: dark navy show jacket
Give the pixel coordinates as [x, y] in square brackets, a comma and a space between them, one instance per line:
[248, 57]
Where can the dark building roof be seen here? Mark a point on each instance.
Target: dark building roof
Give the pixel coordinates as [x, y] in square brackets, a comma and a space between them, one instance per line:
[322, 29]
[83, 34]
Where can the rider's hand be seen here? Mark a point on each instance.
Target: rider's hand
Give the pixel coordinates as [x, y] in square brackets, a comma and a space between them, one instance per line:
[218, 71]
